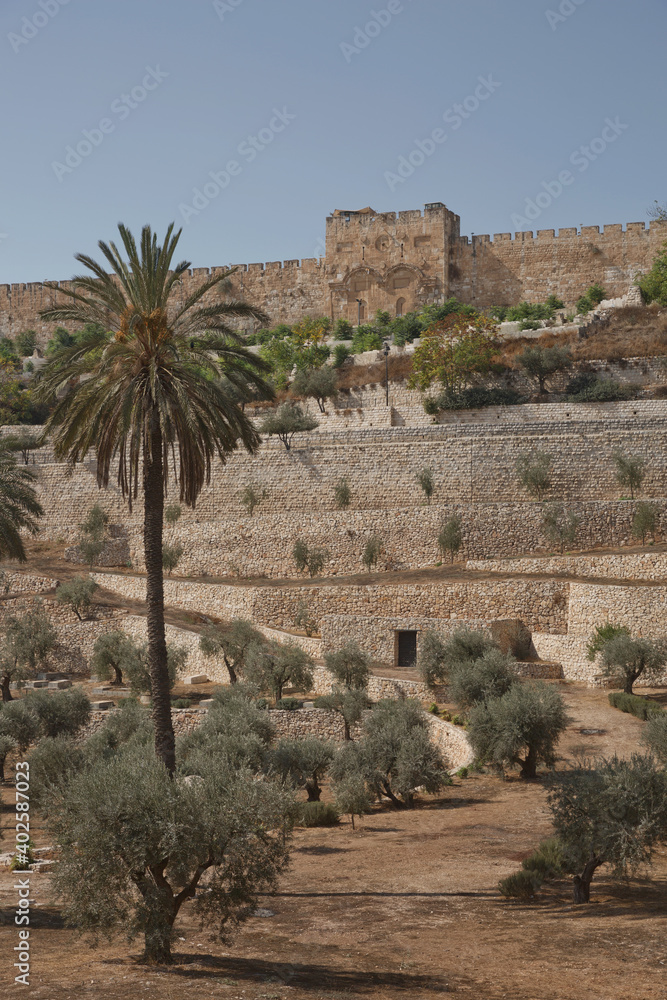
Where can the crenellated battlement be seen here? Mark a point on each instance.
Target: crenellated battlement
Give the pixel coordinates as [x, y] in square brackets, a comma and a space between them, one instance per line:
[585, 232]
[401, 261]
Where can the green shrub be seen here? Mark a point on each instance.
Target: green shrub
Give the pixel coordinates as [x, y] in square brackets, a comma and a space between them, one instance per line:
[597, 390]
[340, 355]
[655, 736]
[180, 703]
[529, 324]
[342, 494]
[366, 338]
[318, 814]
[521, 885]
[289, 704]
[473, 398]
[462, 772]
[546, 861]
[643, 708]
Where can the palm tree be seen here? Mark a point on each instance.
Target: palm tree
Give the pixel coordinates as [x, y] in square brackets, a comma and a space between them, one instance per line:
[153, 389]
[19, 506]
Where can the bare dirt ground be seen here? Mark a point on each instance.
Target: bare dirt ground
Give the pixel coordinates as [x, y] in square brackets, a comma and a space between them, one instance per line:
[405, 906]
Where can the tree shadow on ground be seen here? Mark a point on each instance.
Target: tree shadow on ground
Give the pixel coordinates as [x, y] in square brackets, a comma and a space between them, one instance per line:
[320, 849]
[636, 898]
[308, 977]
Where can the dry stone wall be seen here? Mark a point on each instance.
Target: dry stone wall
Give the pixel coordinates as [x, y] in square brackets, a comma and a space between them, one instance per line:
[642, 609]
[539, 604]
[630, 566]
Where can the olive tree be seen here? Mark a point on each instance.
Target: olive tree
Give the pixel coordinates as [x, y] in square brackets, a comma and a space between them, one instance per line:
[251, 497]
[450, 537]
[522, 728]
[114, 655]
[60, 713]
[626, 660]
[318, 383]
[304, 762]
[646, 521]
[93, 535]
[543, 362]
[654, 737]
[28, 641]
[560, 526]
[288, 420]
[372, 551]
[19, 721]
[273, 667]
[630, 471]
[349, 704]
[534, 471]
[611, 812]
[489, 676]
[7, 745]
[394, 757]
[350, 666]
[137, 668]
[427, 483]
[342, 494]
[171, 556]
[233, 644]
[216, 836]
[437, 656]
[77, 594]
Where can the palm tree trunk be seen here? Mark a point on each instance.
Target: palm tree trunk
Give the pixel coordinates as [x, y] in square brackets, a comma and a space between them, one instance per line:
[157, 644]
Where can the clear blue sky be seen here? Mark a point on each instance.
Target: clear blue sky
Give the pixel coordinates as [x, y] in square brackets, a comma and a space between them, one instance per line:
[221, 71]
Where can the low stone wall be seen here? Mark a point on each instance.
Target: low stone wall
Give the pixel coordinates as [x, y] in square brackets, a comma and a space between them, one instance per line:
[642, 609]
[453, 743]
[451, 740]
[633, 566]
[25, 583]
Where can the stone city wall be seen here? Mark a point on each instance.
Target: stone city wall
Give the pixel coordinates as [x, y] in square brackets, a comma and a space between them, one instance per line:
[504, 271]
[400, 262]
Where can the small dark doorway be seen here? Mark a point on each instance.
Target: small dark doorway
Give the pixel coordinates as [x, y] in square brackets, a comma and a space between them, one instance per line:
[406, 649]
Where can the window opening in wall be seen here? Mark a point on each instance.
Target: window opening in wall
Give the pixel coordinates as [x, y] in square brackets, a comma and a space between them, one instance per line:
[400, 306]
[406, 649]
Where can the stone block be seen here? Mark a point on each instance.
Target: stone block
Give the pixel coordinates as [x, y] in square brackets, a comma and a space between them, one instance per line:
[59, 685]
[196, 679]
[207, 702]
[101, 706]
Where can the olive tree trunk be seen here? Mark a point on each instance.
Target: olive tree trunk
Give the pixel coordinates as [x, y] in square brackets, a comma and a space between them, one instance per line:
[165, 747]
[582, 883]
[4, 684]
